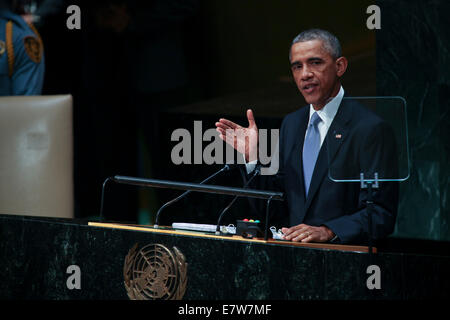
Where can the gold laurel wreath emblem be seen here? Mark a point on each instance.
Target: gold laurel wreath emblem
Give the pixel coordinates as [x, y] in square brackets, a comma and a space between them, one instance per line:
[155, 272]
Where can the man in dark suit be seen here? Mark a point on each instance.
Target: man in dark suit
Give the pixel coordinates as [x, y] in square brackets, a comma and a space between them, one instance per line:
[331, 131]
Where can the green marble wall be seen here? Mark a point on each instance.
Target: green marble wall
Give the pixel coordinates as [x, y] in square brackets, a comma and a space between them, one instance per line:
[413, 61]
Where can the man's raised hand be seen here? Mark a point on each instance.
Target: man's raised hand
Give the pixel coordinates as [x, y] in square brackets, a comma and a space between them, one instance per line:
[244, 140]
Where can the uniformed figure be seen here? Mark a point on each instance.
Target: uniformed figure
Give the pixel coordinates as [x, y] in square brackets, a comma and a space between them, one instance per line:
[21, 56]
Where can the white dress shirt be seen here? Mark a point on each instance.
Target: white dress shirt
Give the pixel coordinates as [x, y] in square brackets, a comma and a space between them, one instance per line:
[327, 114]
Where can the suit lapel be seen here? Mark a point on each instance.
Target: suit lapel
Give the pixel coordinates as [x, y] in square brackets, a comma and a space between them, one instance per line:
[298, 148]
[295, 156]
[335, 137]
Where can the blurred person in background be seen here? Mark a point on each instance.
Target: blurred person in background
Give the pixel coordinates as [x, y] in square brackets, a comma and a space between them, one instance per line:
[22, 62]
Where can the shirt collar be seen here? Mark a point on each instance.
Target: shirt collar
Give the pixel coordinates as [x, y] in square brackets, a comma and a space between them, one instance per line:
[328, 112]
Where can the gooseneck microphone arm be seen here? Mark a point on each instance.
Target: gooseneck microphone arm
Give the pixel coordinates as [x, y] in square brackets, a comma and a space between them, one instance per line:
[255, 173]
[103, 197]
[156, 225]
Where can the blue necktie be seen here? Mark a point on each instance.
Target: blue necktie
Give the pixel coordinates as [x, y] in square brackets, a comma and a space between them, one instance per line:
[311, 149]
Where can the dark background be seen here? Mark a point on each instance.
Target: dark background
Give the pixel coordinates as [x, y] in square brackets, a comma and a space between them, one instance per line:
[179, 61]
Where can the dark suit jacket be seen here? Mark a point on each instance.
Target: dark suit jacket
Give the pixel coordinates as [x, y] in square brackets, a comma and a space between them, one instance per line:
[357, 141]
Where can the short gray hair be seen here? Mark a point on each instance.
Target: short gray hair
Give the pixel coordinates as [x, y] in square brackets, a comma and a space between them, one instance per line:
[329, 40]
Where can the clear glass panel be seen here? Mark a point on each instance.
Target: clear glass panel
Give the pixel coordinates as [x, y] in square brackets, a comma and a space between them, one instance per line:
[369, 140]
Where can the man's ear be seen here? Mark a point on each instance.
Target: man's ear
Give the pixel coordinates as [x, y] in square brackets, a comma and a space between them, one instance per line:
[341, 66]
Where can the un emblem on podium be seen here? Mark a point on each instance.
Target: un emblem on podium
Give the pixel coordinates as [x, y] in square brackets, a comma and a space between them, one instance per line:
[154, 272]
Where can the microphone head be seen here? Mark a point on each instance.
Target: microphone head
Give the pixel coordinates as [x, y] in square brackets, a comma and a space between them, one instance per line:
[230, 166]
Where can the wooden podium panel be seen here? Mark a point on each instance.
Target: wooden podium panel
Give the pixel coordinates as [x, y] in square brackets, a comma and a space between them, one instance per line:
[326, 246]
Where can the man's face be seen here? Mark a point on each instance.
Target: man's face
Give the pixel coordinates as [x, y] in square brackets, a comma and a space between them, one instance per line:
[316, 72]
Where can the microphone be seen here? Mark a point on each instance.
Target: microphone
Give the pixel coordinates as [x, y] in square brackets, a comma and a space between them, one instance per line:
[255, 173]
[227, 167]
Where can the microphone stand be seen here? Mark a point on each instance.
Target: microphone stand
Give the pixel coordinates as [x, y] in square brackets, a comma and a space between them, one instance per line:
[103, 197]
[255, 173]
[227, 167]
[156, 225]
[369, 185]
[237, 192]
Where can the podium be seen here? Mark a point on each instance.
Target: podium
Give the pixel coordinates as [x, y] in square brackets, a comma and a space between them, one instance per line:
[40, 257]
